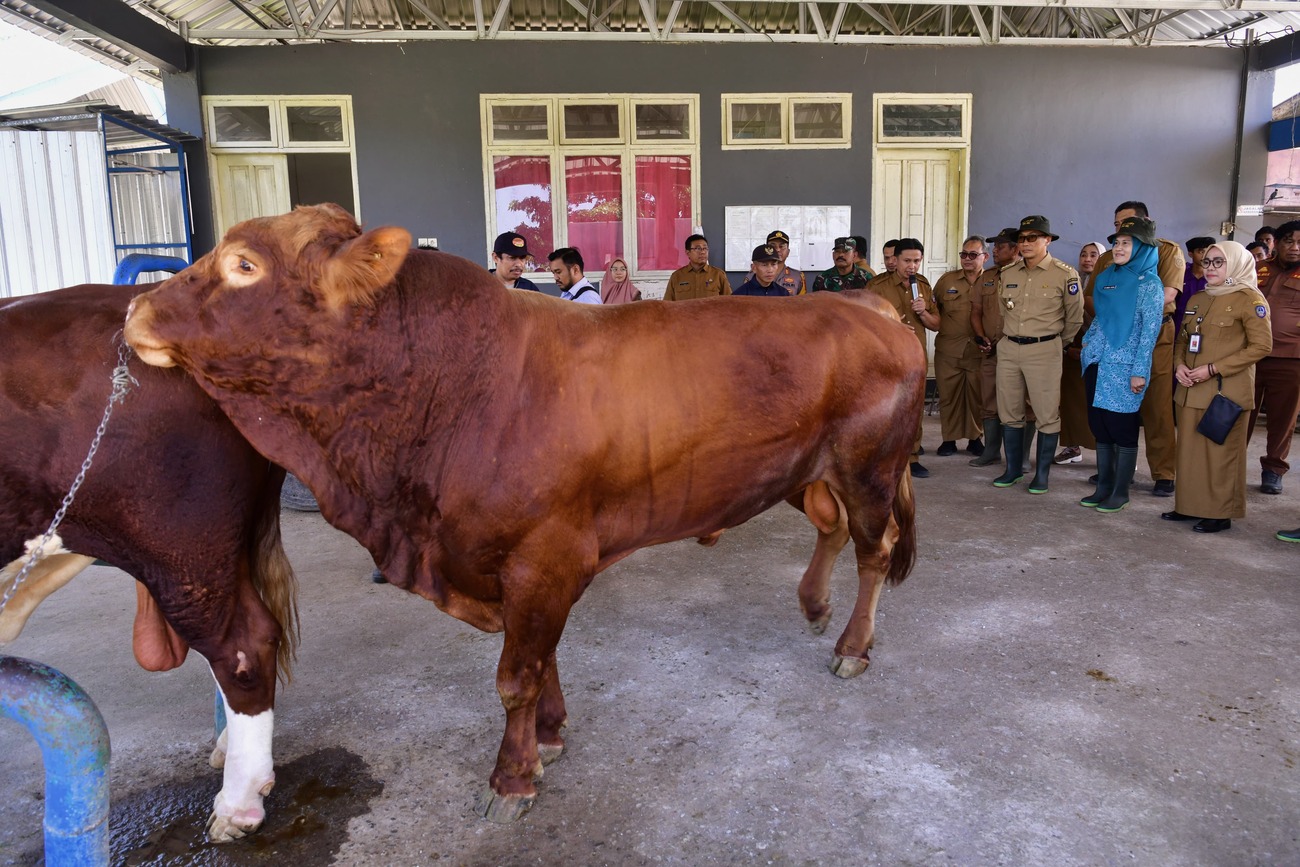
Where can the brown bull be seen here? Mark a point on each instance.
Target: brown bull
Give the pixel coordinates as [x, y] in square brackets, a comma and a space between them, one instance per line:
[175, 497]
[494, 449]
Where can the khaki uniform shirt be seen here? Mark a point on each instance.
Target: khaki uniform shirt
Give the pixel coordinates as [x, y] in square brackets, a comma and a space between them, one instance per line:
[954, 296]
[898, 292]
[791, 281]
[988, 302]
[1235, 333]
[1172, 268]
[692, 282]
[1042, 300]
[1283, 293]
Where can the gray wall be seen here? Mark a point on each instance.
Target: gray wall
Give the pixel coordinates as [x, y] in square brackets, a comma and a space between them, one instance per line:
[1067, 132]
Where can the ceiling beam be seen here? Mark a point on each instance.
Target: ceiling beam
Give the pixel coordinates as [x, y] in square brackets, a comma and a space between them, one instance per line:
[123, 26]
[726, 12]
[648, 12]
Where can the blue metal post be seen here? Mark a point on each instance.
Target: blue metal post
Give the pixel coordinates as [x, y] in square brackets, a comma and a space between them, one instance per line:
[74, 744]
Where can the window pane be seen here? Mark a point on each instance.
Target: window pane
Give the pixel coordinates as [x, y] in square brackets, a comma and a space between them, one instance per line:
[523, 197]
[519, 123]
[663, 122]
[595, 208]
[756, 121]
[591, 122]
[810, 121]
[663, 211]
[241, 123]
[315, 122]
[921, 121]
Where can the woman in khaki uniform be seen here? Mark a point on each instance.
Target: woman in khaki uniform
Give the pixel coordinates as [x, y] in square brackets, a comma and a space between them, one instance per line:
[1225, 331]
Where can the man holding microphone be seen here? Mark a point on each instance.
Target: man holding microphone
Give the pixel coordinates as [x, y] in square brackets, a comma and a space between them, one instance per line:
[909, 293]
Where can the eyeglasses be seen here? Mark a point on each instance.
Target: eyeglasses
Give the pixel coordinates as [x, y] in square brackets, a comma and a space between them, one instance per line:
[698, 249]
[1029, 238]
[1213, 263]
[968, 255]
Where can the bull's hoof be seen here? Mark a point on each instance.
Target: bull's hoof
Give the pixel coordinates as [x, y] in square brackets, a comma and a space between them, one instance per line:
[218, 757]
[223, 829]
[819, 625]
[502, 809]
[549, 752]
[848, 666]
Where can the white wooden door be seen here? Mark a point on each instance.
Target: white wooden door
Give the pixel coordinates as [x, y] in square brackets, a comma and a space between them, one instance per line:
[921, 193]
[248, 186]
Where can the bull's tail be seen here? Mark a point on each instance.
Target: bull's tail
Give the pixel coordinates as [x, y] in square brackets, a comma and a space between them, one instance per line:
[273, 575]
[903, 557]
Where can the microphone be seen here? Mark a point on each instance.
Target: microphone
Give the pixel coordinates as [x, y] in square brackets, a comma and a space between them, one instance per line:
[912, 281]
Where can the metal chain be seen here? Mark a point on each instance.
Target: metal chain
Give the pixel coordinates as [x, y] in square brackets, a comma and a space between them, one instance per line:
[122, 382]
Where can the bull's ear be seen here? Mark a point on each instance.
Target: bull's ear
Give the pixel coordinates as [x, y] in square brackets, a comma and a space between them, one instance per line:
[361, 267]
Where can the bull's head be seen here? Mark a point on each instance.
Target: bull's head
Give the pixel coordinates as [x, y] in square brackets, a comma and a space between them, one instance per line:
[267, 276]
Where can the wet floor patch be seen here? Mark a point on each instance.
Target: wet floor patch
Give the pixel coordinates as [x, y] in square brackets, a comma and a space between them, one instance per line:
[307, 817]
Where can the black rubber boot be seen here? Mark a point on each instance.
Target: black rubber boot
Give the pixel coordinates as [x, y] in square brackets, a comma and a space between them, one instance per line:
[1013, 438]
[1029, 443]
[992, 444]
[1126, 462]
[1046, 455]
[1105, 476]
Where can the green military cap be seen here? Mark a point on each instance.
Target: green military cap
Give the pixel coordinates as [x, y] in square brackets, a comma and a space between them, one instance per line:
[1037, 223]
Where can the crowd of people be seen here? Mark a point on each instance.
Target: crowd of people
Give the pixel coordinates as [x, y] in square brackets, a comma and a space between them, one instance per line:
[1140, 340]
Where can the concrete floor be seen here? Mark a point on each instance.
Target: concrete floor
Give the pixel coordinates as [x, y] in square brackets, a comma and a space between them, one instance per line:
[1050, 686]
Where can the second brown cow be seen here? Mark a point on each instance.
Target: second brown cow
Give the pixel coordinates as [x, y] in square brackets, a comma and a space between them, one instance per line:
[494, 450]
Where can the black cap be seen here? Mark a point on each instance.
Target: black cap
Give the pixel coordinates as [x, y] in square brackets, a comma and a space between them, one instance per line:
[1200, 242]
[765, 253]
[512, 243]
[1006, 236]
[1138, 228]
[1036, 223]
[778, 235]
[846, 243]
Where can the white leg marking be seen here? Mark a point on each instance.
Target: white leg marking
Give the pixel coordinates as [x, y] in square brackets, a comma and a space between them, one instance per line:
[249, 775]
[57, 567]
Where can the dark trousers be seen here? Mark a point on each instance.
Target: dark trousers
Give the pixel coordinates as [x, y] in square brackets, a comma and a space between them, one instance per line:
[1120, 428]
[1277, 394]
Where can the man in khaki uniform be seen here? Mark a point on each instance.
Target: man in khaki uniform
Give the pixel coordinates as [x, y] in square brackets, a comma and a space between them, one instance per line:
[1042, 310]
[986, 324]
[908, 292]
[1277, 376]
[1157, 408]
[956, 355]
[699, 279]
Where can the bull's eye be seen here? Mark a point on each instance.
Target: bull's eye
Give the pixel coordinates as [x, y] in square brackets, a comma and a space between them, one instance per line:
[246, 266]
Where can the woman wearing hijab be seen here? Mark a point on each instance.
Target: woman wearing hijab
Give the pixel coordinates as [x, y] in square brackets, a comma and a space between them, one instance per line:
[1128, 298]
[615, 287]
[1226, 329]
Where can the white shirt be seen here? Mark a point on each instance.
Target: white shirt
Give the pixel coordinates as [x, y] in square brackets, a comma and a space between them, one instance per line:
[571, 294]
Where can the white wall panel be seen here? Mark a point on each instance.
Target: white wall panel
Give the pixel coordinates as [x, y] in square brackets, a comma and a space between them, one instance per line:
[54, 224]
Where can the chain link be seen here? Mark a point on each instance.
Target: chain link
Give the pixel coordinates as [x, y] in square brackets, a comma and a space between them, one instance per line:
[122, 382]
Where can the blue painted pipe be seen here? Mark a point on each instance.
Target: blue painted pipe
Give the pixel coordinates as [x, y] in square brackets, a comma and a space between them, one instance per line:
[135, 264]
[74, 744]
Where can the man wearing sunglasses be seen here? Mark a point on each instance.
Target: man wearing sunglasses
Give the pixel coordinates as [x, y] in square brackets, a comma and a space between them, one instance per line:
[1042, 311]
[957, 356]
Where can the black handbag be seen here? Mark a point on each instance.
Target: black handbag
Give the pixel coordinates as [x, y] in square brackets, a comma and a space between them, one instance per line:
[1219, 417]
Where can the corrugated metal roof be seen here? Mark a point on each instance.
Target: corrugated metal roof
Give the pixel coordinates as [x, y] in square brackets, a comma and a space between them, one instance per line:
[84, 116]
[918, 22]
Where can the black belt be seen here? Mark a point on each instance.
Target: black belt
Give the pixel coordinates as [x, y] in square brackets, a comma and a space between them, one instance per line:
[1027, 340]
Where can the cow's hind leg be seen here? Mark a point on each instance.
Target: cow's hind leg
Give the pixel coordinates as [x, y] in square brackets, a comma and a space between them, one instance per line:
[826, 512]
[852, 651]
[551, 715]
[884, 538]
